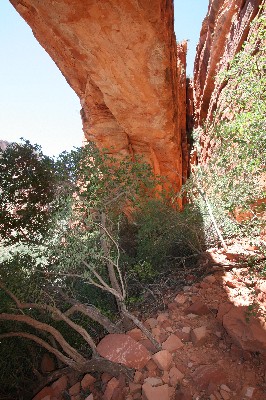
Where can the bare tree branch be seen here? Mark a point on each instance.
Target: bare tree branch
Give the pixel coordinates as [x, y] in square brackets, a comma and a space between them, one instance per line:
[78, 358]
[51, 349]
[91, 312]
[140, 325]
[54, 311]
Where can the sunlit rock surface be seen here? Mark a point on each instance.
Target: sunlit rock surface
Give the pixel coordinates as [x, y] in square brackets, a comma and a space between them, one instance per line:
[224, 30]
[120, 57]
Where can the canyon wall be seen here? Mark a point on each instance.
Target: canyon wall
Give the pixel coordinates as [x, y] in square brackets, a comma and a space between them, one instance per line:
[224, 30]
[120, 57]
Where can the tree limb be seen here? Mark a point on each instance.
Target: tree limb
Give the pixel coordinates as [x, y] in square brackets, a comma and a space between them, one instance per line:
[51, 349]
[78, 358]
[54, 311]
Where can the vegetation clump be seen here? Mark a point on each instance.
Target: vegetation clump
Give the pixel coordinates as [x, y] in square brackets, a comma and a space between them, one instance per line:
[70, 280]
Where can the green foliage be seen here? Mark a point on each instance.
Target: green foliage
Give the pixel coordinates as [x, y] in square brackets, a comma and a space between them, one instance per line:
[27, 192]
[233, 177]
[85, 232]
[165, 234]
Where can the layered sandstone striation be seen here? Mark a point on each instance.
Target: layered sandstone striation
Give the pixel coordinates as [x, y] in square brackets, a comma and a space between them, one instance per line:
[120, 57]
[224, 30]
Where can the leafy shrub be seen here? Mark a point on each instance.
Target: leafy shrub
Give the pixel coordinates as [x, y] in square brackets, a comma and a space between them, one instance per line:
[165, 234]
[27, 192]
[234, 177]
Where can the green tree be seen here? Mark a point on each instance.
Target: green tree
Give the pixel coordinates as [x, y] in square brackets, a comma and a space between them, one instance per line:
[51, 285]
[27, 192]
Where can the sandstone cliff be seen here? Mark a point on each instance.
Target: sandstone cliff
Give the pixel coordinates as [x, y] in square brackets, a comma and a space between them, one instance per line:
[120, 57]
[223, 32]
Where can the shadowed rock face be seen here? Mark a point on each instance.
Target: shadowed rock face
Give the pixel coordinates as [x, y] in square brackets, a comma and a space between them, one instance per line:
[120, 57]
[224, 30]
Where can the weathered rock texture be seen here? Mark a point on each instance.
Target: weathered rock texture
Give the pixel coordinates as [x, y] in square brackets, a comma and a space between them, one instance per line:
[120, 57]
[223, 32]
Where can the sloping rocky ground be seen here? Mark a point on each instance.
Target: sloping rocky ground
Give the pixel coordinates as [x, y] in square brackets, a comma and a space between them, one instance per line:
[209, 349]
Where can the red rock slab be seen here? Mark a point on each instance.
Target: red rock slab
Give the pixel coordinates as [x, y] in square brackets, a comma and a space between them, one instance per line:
[250, 335]
[197, 308]
[122, 349]
[207, 374]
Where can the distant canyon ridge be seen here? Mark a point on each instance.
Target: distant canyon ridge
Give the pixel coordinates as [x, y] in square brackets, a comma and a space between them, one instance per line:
[122, 60]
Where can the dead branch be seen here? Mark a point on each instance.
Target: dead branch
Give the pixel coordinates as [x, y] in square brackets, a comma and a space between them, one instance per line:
[140, 325]
[78, 358]
[91, 312]
[51, 349]
[54, 311]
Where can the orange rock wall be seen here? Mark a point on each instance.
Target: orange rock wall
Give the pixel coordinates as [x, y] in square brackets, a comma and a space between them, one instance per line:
[120, 57]
[224, 30]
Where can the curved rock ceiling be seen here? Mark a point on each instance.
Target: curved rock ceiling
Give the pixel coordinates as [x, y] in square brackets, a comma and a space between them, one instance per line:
[120, 57]
[122, 60]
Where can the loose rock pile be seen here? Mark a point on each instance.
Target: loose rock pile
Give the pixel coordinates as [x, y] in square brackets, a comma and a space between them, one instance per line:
[209, 350]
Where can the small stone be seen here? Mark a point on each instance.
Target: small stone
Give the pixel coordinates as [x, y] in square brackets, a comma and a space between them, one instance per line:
[162, 317]
[87, 381]
[151, 366]
[212, 397]
[175, 376]
[204, 285]
[152, 322]
[134, 387]
[199, 336]
[47, 363]
[192, 316]
[106, 377]
[60, 385]
[172, 306]
[155, 393]
[110, 388]
[162, 359]
[183, 394]
[226, 388]
[186, 331]
[165, 377]
[138, 377]
[46, 391]
[148, 345]
[75, 389]
[169, 329]
[209, 279]
[225, 395]
[156, 331]
[154, 381]
[231, 284]
[180, 299]
[249, 392]
[136, 334]
[218, 396]
[197, 308]
[172, 343]
[90, 397]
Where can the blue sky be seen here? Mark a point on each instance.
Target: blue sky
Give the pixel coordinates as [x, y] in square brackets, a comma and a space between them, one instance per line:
[35, 100]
